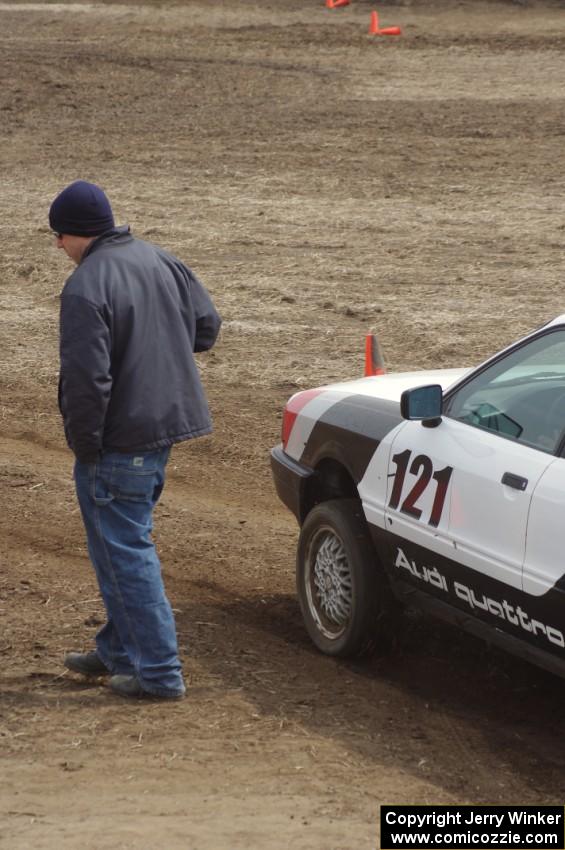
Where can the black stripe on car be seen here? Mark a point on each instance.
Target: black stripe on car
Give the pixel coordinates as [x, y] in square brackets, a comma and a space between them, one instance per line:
[336, 455]
[350, 431]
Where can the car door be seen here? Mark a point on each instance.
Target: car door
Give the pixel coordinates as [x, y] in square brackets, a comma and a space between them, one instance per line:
[544, 565]
[462, 489]
[463, 493]
[543, 617]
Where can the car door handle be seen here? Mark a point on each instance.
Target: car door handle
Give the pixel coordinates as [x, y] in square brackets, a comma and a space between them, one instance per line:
[515, 481]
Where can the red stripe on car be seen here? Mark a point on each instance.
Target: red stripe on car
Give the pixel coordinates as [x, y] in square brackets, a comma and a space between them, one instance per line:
[292, 409]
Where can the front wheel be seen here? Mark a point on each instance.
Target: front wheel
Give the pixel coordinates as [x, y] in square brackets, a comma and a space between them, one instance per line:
[341, 588]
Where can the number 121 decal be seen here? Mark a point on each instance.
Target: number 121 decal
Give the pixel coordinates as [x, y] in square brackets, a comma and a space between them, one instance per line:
[422, 467]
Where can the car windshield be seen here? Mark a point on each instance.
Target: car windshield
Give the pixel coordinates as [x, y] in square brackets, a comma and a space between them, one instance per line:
[521, 396]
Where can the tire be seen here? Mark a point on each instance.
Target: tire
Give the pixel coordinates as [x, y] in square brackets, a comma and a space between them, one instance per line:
[342, 591]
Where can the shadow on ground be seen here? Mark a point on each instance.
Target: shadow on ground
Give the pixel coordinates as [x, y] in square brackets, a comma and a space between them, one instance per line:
[433, 683]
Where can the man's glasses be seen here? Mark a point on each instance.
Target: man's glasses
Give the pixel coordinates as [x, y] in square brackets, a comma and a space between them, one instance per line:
[57, 235]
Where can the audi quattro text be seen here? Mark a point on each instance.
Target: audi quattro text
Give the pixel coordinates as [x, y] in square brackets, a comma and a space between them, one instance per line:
[443, 488]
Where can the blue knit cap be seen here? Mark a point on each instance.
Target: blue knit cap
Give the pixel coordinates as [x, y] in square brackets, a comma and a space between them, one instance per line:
[82, 209]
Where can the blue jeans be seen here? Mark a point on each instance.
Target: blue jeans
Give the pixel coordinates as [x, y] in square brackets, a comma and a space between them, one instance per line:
[117, 496]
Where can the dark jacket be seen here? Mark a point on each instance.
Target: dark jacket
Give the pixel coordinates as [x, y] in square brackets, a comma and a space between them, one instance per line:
[131, 317]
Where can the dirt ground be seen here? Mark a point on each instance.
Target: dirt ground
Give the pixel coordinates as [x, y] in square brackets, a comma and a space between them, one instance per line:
[322, 183]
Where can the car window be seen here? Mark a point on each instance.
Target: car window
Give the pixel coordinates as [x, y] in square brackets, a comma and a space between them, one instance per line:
[521, 396]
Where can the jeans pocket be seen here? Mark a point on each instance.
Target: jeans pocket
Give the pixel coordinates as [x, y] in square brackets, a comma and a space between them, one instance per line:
[131, 485]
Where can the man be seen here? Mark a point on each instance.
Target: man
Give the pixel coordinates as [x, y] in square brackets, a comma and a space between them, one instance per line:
[131, 317]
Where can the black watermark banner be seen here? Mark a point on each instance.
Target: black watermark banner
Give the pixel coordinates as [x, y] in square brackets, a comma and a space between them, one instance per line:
[481, 827]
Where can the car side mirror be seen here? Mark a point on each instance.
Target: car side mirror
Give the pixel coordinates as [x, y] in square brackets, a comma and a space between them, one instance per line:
[423, 403]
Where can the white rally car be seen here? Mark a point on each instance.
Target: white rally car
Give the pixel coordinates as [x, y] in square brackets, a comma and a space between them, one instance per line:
[444, 489]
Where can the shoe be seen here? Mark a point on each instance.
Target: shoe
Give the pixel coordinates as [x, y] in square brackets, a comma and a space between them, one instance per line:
[87, 663]
[128, 686]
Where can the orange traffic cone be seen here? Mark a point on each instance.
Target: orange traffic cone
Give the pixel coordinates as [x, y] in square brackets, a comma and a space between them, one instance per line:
[374, 25]
[338, 3]
[374, 360]
[330, 4]
[390, 31]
